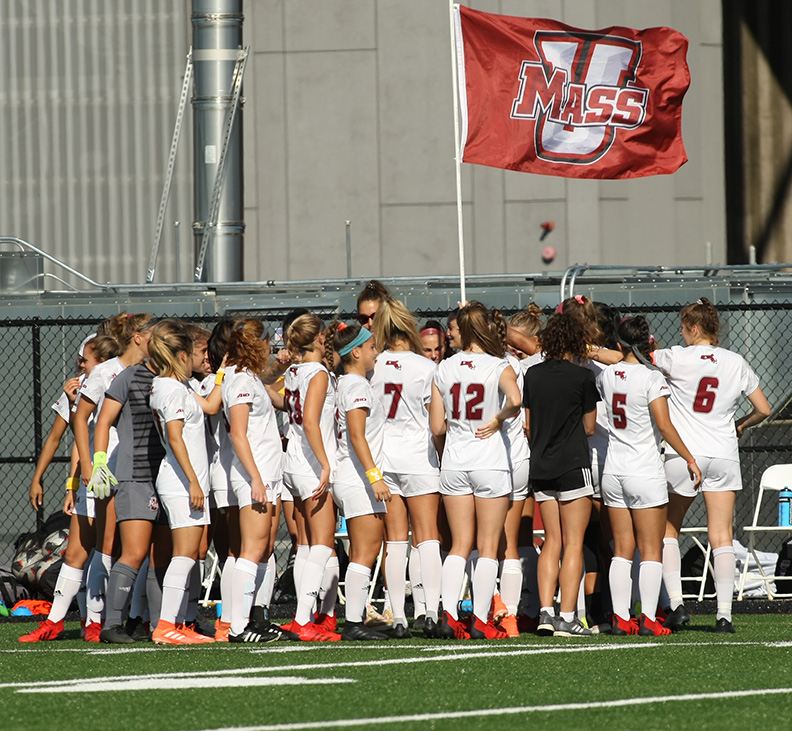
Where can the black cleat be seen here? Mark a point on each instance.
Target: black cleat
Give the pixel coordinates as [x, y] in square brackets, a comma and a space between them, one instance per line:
[138, 630]
[357, 631]
[724, 626]
[116, 635]
[430, 629]
[400, 632]
[252, 633]
[419, 623]
[677, 618]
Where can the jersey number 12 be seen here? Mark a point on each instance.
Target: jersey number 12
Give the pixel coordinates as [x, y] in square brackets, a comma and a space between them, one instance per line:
[473, 412]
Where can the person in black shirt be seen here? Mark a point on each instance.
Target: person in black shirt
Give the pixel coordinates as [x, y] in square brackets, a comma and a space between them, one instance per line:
[560, 400]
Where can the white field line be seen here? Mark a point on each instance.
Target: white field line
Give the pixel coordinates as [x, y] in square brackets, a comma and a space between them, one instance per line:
[209, 682]
[381, 721]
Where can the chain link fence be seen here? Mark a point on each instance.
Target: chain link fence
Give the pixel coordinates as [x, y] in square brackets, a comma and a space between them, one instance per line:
[39, 355]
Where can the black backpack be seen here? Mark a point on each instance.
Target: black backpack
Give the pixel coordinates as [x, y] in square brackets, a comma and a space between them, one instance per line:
[11, 591]
[784, 568]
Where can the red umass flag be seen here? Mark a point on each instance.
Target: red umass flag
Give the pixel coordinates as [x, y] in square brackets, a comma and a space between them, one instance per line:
[542, 97]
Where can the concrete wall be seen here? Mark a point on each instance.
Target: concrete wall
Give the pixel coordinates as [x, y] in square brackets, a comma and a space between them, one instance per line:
[348, 116]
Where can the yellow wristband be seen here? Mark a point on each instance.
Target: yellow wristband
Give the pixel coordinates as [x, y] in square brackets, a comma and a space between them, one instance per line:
[219, 377]
[374, 475]
[72, 484]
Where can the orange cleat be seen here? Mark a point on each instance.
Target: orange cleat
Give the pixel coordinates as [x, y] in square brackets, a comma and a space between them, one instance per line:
[481, 631]
[47, 630]
[623, 627]
[652, 628]
[197, 637]
[498, 608]
[453, 629]
[221, 631]
[167, 633]
[92, 631]
[311, 632]
[327, 622]
[510, 626]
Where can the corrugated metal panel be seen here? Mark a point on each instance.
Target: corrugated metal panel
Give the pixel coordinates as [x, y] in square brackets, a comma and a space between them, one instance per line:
[89, 92]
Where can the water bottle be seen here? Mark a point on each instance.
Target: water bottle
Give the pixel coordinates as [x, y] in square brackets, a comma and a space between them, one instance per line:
[784, 505]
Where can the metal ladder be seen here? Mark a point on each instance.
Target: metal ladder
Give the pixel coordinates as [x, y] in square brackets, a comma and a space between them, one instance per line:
[211, 223]
[169, 173]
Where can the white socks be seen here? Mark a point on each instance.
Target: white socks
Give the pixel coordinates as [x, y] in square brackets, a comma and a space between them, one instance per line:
[311, 581]
[672, 571]
[243, 587]
[300, 558]
[649, 580]
[620, 580]
[431, 566]
[511, 578]
[724, 563]
[416, 581]
[226, 578]
[66, 588]
[96, 586]
[453, 578]
[396, 578]
[173, 587]
[265, 581]
[328, 592]
[357, 580]
[485, 579]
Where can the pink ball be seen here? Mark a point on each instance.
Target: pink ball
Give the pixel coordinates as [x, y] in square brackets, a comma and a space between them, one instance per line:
[548, 254]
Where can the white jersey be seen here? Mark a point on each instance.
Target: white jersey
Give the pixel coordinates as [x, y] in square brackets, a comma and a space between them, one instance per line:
[62, 407]
[94, 388]
[513, 432]
[402, 381]
[468, 383]
[598, 441]
[355, 392]
[627, 389]
[218, 440]
[707, 384]
[172, 400]
[245, 387]
[300, 458]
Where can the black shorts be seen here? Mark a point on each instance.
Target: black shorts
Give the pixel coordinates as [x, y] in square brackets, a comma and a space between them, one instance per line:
[138, 501]
[568, 486]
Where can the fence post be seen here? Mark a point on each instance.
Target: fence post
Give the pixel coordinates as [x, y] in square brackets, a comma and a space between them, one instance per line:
[37, 425]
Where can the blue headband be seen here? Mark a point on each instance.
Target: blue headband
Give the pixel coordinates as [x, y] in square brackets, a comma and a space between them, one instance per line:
[358, 340]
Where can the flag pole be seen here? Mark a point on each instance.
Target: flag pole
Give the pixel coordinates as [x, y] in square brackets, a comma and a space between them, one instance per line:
[455, 84]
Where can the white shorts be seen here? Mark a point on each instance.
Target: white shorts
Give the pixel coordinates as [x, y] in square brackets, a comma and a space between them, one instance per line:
[300, 486]
[717, 474]
[356, 500]
[84, 501]
[244, 493]
[222, 496]
[631, 491]
[285, 494]
[481, 483]
[180, 514]
[412, 485]
[519, 479]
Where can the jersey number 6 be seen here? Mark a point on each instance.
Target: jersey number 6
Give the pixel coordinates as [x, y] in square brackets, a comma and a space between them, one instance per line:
[705, 395]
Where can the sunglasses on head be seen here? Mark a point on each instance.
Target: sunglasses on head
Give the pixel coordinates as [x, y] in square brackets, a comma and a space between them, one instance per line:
[365, 319]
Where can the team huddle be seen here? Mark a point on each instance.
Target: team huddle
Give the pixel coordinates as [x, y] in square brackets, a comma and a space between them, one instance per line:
[435, 445]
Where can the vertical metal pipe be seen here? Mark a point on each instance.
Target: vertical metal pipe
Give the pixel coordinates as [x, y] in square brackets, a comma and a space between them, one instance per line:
[217, 40]
[37, 416]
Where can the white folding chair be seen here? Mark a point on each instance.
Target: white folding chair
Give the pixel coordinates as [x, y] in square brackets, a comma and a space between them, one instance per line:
[699, 581]
[774, 479]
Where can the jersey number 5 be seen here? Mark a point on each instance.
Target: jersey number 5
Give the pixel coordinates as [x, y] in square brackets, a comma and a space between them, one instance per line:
[472, 410]
[396, 390]
[705, 395]
[618, 405]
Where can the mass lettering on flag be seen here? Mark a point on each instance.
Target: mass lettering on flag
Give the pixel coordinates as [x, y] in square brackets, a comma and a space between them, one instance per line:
[542, 97]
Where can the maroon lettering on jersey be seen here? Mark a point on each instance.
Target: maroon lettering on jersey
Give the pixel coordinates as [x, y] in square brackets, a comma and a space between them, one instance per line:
[620, 374]
[293, 370]
[394, 363]
[468, 363]
[243, 395]
[359, 399]
[711, 357]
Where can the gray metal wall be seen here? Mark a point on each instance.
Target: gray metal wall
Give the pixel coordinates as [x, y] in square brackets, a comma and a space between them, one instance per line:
[347, 116]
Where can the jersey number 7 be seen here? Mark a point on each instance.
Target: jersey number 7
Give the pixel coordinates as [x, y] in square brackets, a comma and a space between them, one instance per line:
[396, 390]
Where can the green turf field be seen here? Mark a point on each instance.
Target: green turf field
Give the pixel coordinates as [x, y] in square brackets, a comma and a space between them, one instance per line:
[692, 680]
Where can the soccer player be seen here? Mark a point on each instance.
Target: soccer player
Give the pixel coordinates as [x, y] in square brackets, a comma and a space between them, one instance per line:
[633, 482]
[359, 489]
[474, 393]
[402, 381]
[183, 477]
[310, 400]
[707, 385]
[256, 470]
